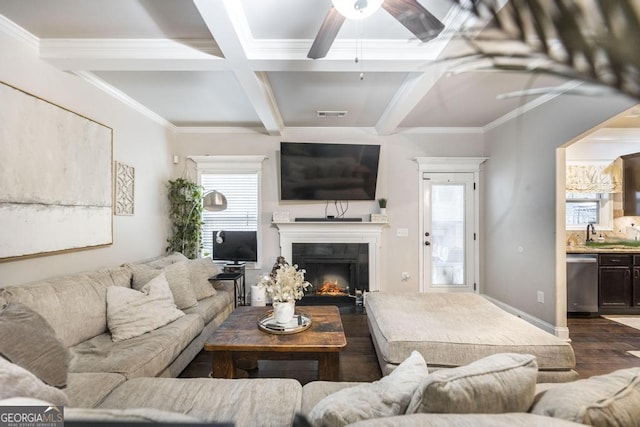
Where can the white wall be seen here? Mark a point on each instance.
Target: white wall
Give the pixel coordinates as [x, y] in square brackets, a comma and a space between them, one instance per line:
[137, 141]
[520, 188]
[397, 181]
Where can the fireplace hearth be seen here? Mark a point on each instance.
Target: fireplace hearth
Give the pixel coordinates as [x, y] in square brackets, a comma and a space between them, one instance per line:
[336, 271]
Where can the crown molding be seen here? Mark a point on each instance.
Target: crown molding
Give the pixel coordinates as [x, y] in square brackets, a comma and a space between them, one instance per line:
[17, 32]
[219, 130]
[441, 130]
[122, 97]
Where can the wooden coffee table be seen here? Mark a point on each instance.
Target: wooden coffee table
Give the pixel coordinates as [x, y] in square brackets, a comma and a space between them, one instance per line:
[239, 338]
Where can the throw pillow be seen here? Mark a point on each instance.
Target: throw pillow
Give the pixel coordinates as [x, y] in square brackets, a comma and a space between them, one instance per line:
[383, 398]
[131, 313]
[177, 275]
[164, 261]
[200, 271]
[605, 400]
[18, 382]
[27, 339]
[504, 382]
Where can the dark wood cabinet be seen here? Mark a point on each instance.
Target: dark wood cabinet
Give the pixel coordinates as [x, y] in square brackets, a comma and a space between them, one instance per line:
[618, 283]
[635, 278]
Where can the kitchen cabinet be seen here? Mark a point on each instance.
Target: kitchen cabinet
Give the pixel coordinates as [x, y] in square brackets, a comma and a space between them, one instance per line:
[618, 283]
[635, 302]
[631, 184]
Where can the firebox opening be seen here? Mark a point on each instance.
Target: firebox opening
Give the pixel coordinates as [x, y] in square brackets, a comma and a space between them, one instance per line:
[335, 270]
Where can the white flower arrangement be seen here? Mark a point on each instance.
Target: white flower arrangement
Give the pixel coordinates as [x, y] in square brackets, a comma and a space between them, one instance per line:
[287, 284]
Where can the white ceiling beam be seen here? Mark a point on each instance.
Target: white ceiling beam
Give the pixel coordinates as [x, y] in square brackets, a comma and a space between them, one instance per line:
[228, 27]
[131, 54]
[414, 88]
[199, 55]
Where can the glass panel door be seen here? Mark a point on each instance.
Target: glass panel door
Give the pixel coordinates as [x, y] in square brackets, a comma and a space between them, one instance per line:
[449, 232]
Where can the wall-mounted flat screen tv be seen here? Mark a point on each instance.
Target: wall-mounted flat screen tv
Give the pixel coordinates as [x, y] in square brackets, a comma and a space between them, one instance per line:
[235, 246]
[321, 171]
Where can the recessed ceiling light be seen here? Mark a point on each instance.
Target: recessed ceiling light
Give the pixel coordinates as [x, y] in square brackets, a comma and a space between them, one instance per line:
[326, 114]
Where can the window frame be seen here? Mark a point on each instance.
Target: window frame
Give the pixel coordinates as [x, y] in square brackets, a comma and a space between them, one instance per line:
[605, 211]
[236, 164]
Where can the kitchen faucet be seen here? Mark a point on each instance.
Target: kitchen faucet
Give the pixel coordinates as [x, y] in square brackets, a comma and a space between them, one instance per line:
[593, 232]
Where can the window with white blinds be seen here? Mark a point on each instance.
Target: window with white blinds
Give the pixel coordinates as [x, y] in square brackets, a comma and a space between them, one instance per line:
[241, 191]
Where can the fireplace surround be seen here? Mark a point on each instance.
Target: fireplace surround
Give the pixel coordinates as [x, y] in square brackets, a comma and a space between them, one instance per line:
[366, 236]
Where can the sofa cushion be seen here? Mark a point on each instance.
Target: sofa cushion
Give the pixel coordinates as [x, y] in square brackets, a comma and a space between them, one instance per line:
[503, 382]
[131, 313]
[18, 382]
[467, 420]
[200, 270]
[177, 275]
[606, 400]
[244, 402]
[447, 339]
[209, 307]
[127, 416]
[88, 389]
[383, 398]
[314, 391]
[26, 339]
[146, 355]
[75, 305]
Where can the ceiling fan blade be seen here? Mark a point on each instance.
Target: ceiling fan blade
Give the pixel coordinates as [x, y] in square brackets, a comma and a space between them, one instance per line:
[327, 34]
[416, 18]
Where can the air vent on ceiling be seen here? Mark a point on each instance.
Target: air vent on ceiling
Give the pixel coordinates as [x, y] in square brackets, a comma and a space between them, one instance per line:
[328, 114]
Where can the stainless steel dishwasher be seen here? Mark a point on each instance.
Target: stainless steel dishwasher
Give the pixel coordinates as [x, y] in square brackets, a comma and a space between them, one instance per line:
[582, 284]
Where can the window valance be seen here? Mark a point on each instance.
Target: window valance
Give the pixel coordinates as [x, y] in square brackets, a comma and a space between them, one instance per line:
[594, 177]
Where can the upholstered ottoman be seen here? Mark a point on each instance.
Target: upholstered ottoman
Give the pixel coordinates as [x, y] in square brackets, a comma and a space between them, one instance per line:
[454, 329]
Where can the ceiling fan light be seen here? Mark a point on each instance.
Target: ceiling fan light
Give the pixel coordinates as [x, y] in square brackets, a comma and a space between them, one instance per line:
[357, 9]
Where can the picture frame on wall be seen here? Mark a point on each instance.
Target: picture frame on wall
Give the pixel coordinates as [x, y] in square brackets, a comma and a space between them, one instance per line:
[57, 178]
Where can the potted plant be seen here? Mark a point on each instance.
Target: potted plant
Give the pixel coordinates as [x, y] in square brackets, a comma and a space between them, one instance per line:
[382, 203]
[284, 285]
[185, 212]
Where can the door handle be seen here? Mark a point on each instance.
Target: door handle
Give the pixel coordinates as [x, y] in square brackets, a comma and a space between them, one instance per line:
[426, 234]
[427, 243]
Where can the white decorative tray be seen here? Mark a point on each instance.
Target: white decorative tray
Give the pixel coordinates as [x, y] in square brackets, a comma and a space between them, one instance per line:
[300, 322]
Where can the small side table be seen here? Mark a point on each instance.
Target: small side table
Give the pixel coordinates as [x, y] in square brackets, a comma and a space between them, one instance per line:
[238, 285]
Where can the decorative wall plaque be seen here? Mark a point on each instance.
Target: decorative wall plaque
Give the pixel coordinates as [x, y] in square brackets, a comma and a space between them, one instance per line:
[124, 194]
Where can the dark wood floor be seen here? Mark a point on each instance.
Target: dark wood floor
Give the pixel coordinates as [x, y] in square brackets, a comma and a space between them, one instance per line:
[600, 346]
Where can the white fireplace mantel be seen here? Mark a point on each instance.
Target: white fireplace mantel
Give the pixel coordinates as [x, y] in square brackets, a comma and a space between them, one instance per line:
[336, 232]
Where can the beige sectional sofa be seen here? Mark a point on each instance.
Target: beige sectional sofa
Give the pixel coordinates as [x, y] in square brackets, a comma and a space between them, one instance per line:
[76, 308]
[58, 349]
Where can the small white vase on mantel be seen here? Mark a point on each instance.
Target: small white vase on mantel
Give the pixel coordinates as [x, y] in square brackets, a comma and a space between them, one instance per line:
[283, 311]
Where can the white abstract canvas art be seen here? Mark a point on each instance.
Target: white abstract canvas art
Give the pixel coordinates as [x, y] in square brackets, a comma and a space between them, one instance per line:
[56, 175]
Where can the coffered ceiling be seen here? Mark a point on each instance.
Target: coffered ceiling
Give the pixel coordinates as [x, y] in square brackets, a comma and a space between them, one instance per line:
[221, 64]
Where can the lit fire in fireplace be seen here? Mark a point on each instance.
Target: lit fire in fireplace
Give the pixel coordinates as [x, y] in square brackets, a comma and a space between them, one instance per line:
[330, 289]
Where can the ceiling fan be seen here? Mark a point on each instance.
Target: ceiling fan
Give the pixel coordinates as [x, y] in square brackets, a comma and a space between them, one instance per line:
[409, 13]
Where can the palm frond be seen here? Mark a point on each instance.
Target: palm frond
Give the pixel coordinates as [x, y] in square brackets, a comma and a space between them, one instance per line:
[591, 40]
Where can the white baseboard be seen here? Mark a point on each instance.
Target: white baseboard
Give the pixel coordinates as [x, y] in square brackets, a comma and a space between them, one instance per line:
[560, 332]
